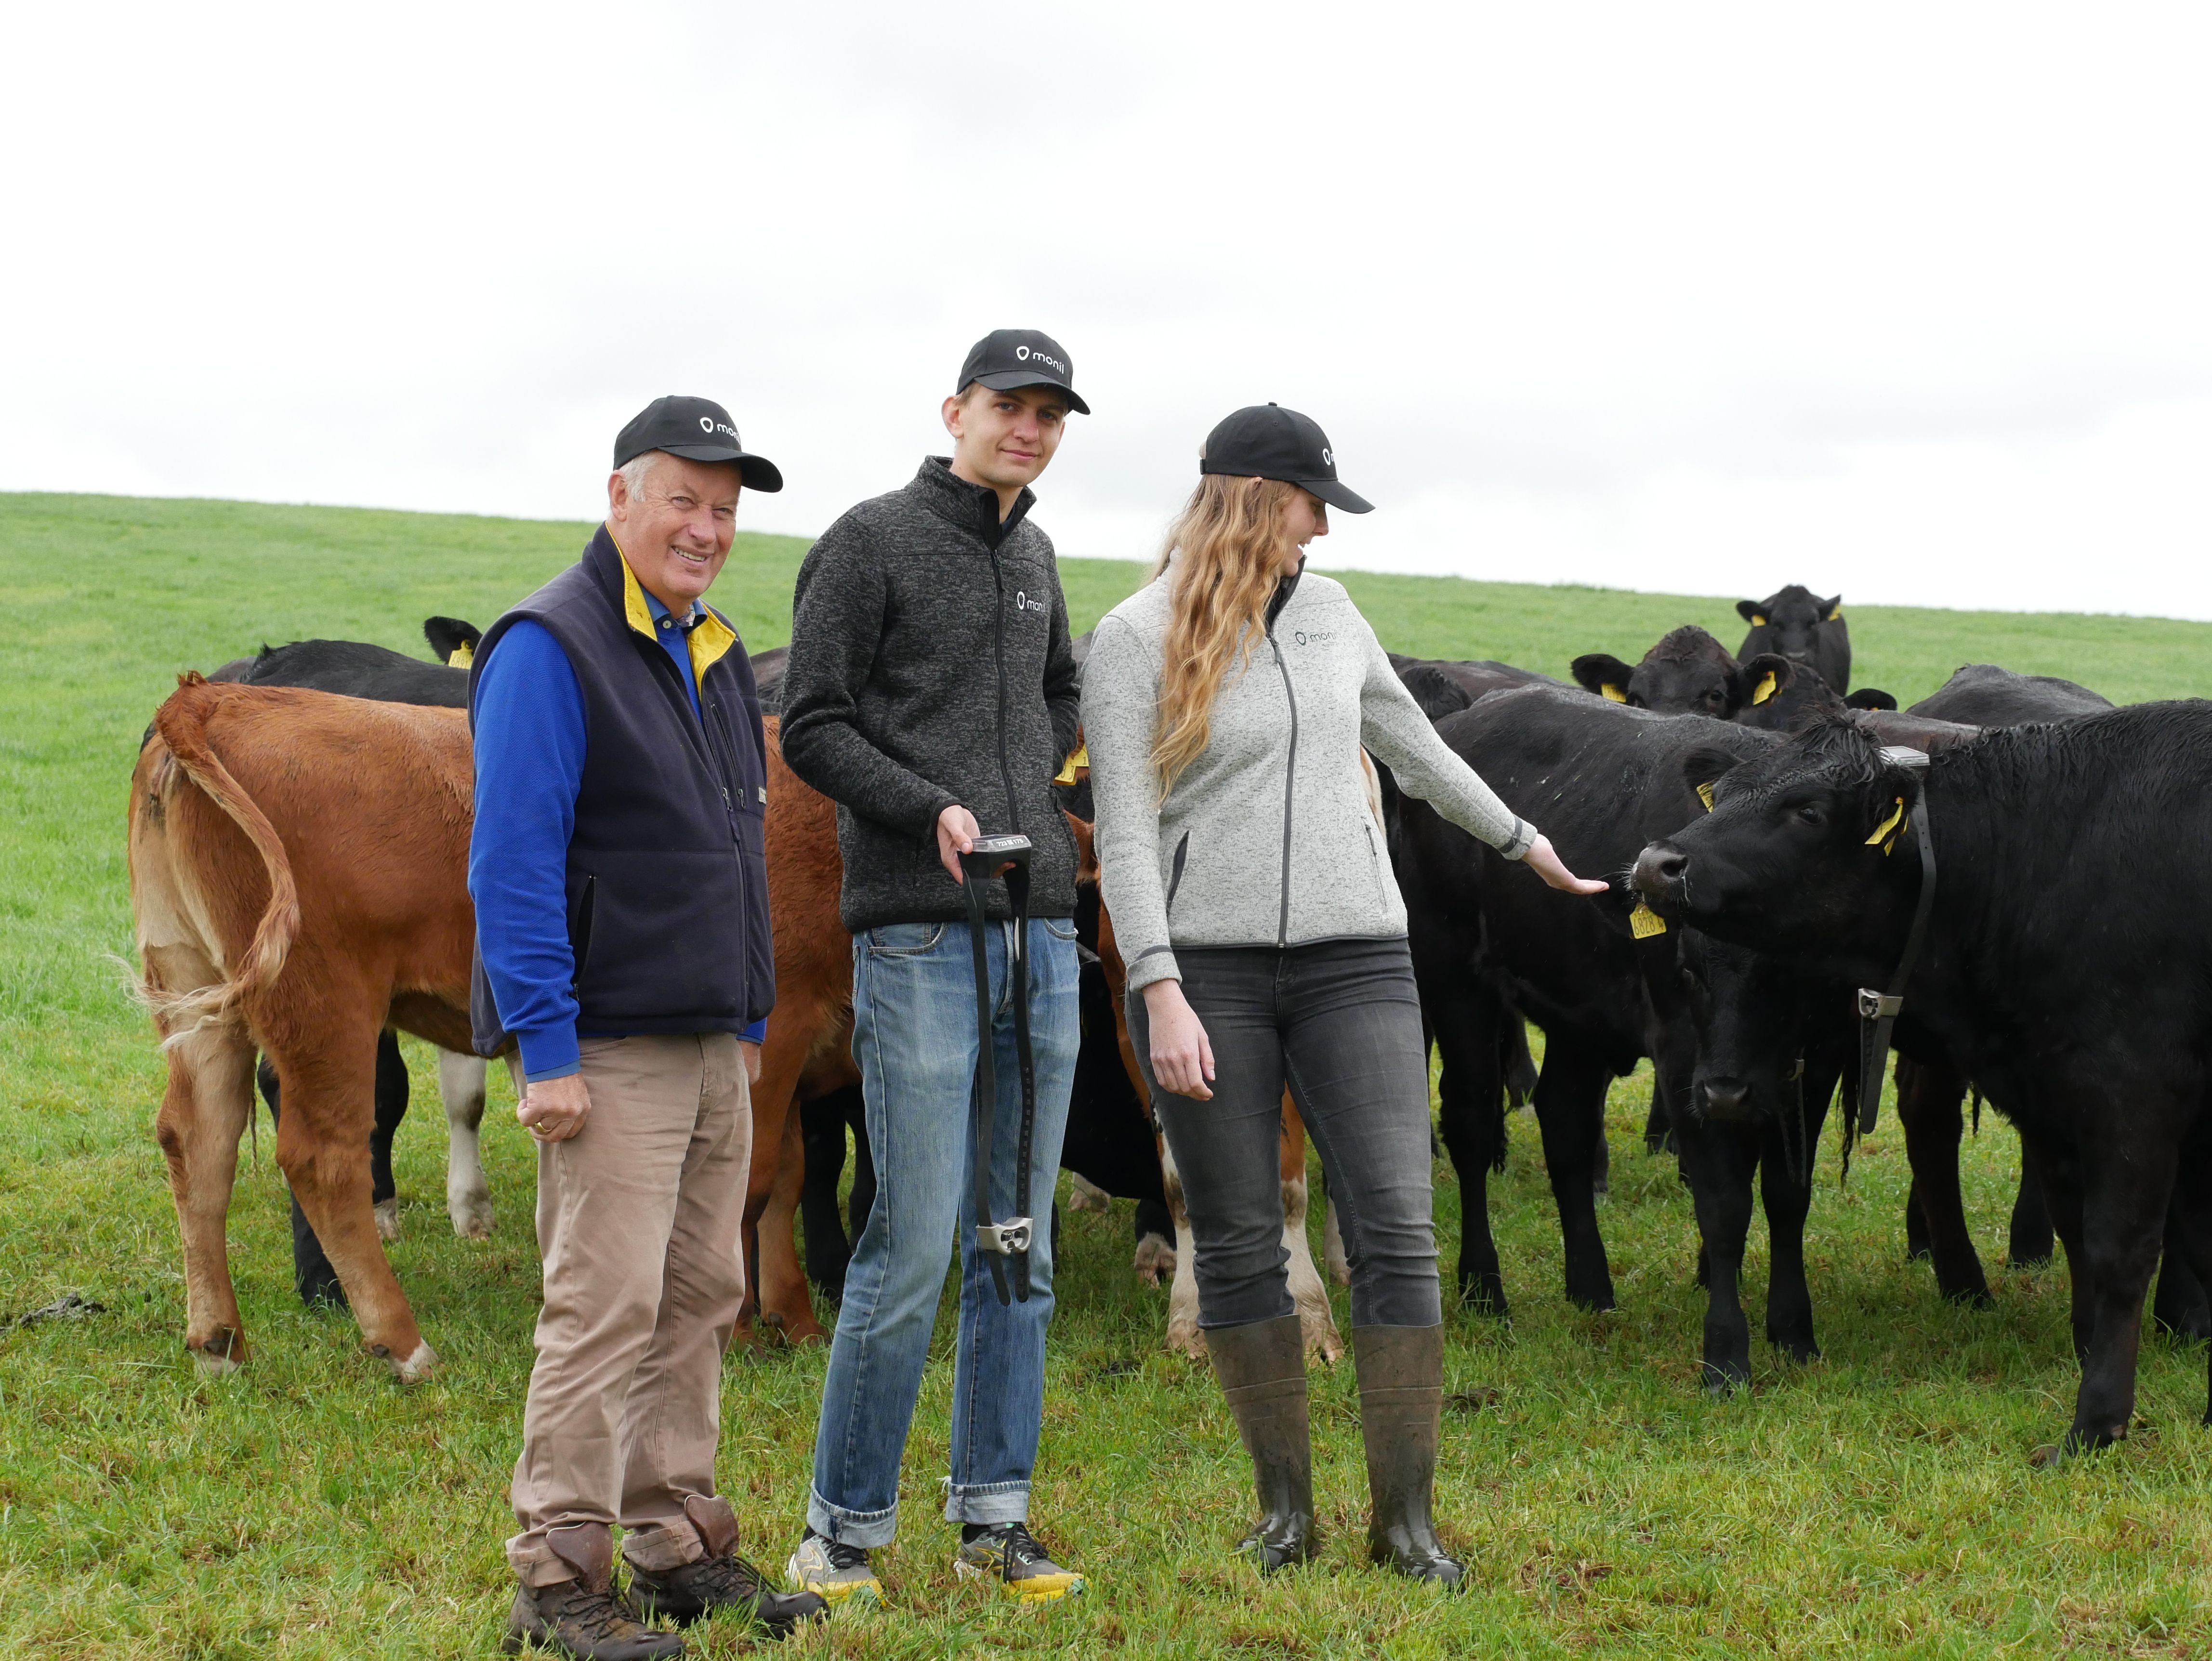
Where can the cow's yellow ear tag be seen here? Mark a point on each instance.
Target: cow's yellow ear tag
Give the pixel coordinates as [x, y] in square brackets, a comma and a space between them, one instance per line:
[1643, 923]
[1887, 828]
[1757, 621]
[1764, 689]
[1080, 758]
[1613, 692]
[461, 656]
[1836, 613]
[1706, 795]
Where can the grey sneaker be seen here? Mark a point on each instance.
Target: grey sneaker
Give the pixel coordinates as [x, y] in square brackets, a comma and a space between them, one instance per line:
[1009, 1554]
[832, 1571]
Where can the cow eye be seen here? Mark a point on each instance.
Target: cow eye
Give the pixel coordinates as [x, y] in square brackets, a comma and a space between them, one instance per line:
[1809, 813]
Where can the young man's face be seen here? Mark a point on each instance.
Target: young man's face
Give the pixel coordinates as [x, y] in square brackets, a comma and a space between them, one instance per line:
[675, 531]
[1005, 439]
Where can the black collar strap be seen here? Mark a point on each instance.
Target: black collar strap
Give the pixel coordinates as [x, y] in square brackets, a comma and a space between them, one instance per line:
[1878, 1011]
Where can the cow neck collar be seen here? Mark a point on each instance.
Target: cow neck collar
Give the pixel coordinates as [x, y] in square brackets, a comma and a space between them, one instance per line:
[1878, 1011]
[973, 507]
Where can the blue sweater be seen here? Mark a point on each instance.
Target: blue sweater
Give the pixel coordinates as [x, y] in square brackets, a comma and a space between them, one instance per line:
[530, 764]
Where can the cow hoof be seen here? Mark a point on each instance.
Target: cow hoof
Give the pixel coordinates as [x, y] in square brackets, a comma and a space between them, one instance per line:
[1722, 1382]
[471, 1217]
[1083, 1195]
[220, 1355]
[1155, 1261]
[1325, 1345]
[2049, 1456]
[417, 1365]
[1185, 1339]
[387, 1218]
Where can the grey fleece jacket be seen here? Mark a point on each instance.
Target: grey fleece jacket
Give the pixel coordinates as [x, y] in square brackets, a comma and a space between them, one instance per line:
[1267, 838]
[930, 665]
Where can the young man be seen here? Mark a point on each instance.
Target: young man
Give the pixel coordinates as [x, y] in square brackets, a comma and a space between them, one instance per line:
[931, 693]
[622, 917]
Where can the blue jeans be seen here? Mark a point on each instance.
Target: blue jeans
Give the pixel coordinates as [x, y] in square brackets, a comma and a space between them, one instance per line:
[913, 1034]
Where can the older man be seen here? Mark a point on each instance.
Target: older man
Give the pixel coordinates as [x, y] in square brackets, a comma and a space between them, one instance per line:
[621, 917]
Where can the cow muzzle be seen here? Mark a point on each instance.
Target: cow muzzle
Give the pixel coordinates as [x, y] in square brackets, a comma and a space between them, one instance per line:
[1726, 1101]
[1660, 872]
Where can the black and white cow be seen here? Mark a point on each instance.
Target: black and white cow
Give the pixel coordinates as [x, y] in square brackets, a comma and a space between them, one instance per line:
[1803, 628]
[2067, 967]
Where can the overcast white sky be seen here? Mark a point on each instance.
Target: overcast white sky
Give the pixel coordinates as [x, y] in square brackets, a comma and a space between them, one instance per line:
[1913, 303]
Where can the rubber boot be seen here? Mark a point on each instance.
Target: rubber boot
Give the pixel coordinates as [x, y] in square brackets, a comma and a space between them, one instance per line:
[1262, 1369]
[584, 1619]
[1401, 1376]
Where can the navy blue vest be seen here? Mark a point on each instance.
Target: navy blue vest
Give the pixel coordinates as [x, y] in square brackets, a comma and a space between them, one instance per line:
[668, 882]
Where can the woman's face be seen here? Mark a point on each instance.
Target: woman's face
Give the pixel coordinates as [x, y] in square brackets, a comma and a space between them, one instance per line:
[1306, 518]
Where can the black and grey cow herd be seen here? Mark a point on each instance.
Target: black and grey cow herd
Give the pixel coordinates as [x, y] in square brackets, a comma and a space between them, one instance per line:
[1762, 824]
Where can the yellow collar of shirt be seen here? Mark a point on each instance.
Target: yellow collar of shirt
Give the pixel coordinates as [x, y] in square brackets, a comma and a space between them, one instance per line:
[706, 640]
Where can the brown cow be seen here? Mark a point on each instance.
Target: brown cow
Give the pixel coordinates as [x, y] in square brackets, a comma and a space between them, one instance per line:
[299, 878]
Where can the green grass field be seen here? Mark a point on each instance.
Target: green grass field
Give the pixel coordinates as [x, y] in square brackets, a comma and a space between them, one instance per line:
[1878, 1502]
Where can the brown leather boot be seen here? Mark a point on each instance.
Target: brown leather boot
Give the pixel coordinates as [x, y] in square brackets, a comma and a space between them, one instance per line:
[584, 1619]
[721, 1579]
[1401, 1376]
[1262, 1369]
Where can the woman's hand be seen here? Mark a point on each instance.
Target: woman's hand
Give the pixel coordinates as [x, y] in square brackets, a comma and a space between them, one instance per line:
[1183, 1059]
[1544, 862]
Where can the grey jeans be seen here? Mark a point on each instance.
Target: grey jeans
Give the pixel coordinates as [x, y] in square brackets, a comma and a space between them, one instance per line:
[1339, 1021]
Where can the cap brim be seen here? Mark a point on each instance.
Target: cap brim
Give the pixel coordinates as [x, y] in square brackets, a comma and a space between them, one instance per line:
[1007, 380]
[757, 473]
[1336, 495]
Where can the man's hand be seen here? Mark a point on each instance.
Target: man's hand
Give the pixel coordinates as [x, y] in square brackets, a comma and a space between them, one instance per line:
[1544, 862]
[554, 1109]
[1182, 1056]
[956, 831]
[750, 1053]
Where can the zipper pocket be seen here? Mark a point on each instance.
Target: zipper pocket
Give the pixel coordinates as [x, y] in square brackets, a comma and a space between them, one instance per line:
[580, 934]
[1175, 876]
[1375, 864]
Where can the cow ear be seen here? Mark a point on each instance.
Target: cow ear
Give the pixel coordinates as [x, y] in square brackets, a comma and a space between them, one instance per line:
[454, 641]
[1871, 697]
[1603, 674]
[1703, 767]
[1765, 674]
[1751, 611]
[1831, 610]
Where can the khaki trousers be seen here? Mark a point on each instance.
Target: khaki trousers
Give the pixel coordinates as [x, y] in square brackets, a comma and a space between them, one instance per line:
[638, 1216]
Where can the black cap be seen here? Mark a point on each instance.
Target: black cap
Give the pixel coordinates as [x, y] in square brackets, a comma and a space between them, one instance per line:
[1006, 358]
[1265, 440]
[698, 429]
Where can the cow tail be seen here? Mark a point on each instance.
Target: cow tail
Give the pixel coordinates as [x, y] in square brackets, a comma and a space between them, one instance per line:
[182, 723]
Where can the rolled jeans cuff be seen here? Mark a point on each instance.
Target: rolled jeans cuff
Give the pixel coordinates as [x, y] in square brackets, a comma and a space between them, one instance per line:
[868, 1529]
[986, 1503]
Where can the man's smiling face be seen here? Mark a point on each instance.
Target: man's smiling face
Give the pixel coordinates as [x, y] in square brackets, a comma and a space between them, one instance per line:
[1003, 439]
[675, 529]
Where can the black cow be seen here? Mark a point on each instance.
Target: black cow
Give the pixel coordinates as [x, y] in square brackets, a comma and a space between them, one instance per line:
[1490, 941]
[1803, 628]
[2067, 970]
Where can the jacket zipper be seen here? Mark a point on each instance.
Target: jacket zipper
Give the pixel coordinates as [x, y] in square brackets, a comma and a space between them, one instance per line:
[1289, 783]
[999, 643]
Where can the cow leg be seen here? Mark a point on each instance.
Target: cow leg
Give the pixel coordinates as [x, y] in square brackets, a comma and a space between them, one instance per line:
[1569, 1092]
[468, 1196]
[1331, 1240]
[1928, 1103]
[313, 1280]
[2189, 1223]
[1317, 1322]
[2181, 1307]
[322, 1144]
[786, 1304]
[2029, 1241]
[1469, 1024]
[1718, 1165]
[2062, 1192]
[391, 1109]
[203, 1113]
[822, 1136]
[1600, 1158]
[1155, 1234]
[1787, 1201]
[862, 1200]
[1658, 1125]
[1183, 1336]
[773, 1104]
[1916, 1223]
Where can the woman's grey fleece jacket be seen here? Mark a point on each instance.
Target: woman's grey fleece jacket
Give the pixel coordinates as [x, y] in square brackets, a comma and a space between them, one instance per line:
[1266, 839]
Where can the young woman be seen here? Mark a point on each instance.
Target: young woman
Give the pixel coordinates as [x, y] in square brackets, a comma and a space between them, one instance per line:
[1225, 705]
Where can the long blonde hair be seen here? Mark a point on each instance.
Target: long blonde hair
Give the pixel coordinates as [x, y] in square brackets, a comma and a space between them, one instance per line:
[1225, 549]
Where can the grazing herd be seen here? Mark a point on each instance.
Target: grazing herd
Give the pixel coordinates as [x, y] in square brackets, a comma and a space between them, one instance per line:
[2004, 882]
